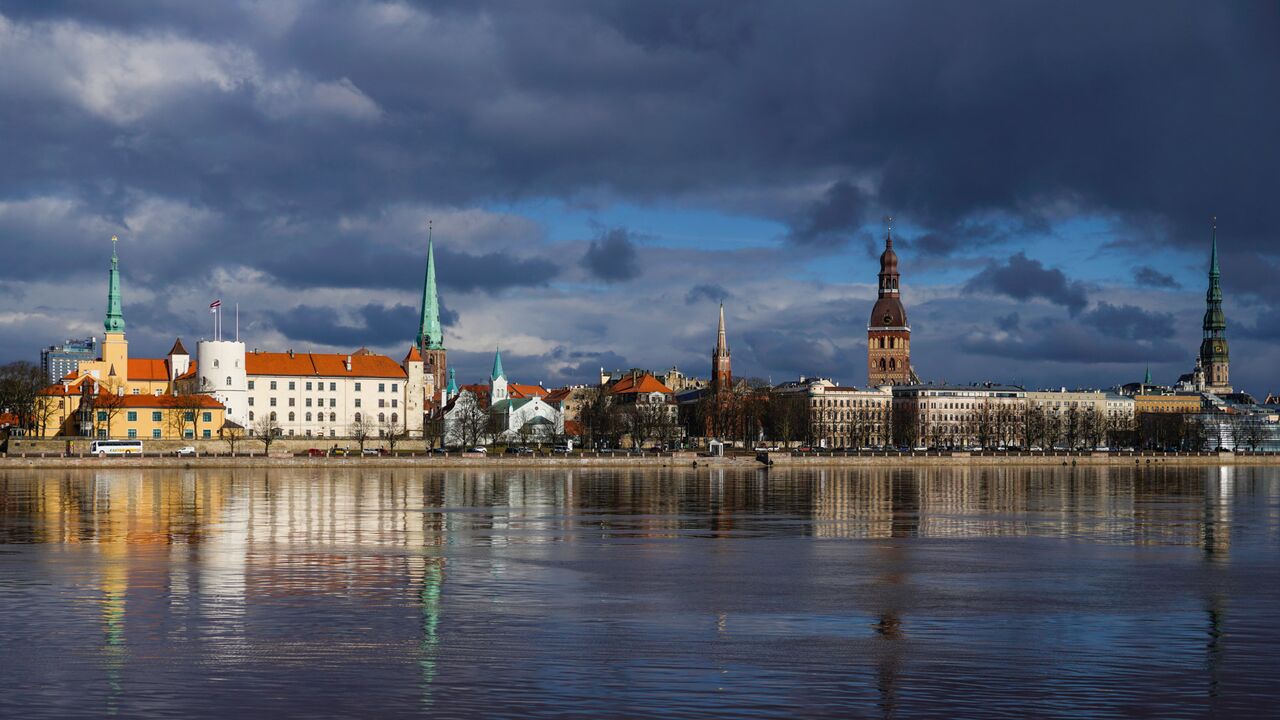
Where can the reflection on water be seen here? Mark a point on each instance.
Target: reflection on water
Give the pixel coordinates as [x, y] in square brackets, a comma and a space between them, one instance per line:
[681, 593]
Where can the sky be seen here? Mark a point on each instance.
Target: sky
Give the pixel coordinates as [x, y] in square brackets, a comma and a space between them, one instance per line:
[598, 176]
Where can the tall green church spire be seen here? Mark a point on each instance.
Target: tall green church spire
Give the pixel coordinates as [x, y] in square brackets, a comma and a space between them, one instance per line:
[430, 333]
[114, 322]
[497, 365]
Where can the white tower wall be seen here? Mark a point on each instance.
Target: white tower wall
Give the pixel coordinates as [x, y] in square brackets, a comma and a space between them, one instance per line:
[220, 372]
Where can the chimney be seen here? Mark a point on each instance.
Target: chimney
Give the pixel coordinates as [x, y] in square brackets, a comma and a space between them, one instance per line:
[290, 353]
[347, 363]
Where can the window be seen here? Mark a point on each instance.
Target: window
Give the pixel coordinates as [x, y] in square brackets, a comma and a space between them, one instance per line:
[250, 416]
[273, 384]
[308, 385]
[356, 418]
[250, 401]
[308, 417]
[133, 433]
[188, 415]
[395, 387]
[157, 416]
[207, 417]
[308, 433]
[333, 432]
[272, 402]
[333, 417]
[291, 417]
[273, 415]
[102, 414]
[138, 391]
[228, 381]
[215, 363]
[189, 434]
[333, 387]
[308, 402]
[156, 433]
[250, 384]
[382, 402]
[357, 387]
[382, 417]
[394, 402]
[357, 402]
[395, 418]
[382, 387]
[292, 402]
[133, 416]
[206, 434]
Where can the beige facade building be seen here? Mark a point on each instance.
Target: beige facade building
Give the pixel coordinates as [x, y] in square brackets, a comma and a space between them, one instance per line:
[959, 416]
[848, 417]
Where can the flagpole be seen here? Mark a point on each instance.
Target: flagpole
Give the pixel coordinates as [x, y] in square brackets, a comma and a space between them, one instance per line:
[237, 322]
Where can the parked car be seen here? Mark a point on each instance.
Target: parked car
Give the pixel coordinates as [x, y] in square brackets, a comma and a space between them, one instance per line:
[438, 451]
[374, 451]
[315, 452]
[479, 449]
[341, 451]
[519, 451]
[185, 450]
[561, 450]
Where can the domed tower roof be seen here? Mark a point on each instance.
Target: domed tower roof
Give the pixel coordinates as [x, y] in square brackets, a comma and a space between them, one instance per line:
[888, 310]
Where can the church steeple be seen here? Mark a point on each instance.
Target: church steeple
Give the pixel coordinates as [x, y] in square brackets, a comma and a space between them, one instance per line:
[497, 365]
[114, 322]
[888, 334]
[430, 333]
[1214, 356]
[721, 371]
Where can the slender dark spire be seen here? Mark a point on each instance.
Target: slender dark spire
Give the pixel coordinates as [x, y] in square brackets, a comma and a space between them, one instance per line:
[722, 341]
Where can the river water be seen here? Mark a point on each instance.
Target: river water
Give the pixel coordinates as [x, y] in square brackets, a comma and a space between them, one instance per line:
[648, 593]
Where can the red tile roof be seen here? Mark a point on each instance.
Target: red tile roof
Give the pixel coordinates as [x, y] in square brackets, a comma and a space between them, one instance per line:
[517, 391]
[169, 401]
[643, 384]
[8, 420]
[480, 391]
[365, 364]
[414, 355]
[558, 395]
[148, 369]
[573, 428]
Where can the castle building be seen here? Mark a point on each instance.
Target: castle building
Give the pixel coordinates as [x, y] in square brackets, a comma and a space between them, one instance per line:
[888, 334]
[1214, 363]
[721, 369]
[430, 340]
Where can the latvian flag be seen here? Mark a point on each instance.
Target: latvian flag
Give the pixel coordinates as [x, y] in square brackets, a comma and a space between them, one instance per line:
[213, 306]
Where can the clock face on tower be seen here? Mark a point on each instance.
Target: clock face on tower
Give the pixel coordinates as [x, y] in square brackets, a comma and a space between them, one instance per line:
[888, 319]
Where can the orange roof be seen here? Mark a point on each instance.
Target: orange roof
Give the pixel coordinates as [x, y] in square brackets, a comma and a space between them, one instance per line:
[644, 384]
[558, 395]
[69, 387]
[573, 428]
[322, 364]
[147, 369]
[517, 391]
[414, 355]
[168, 401]
[8, 419]
[480, 391]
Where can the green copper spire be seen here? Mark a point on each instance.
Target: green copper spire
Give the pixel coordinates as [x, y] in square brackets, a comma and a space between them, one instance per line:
[452, 388]
[1146, 380]
[114, 322]
[497, 365]
[430, 334]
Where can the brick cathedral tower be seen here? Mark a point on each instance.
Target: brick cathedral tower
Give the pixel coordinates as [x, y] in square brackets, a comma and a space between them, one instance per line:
[1214, 360]
[430, 340]
[721, 371]
[888, 335]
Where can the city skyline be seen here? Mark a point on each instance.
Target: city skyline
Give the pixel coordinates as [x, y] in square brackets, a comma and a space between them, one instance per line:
[1075, 254]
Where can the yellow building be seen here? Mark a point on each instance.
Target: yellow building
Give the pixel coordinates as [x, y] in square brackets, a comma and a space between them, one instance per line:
[1166, 403]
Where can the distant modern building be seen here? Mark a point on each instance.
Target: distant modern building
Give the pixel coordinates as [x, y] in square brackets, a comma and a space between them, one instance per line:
[888, 334]
[58, 361]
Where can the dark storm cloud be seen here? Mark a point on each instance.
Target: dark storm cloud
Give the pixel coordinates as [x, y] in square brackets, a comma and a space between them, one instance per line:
[1150, 277]
[1066, 341]
[786, 354]
[1022, 278]
[1129, 322]
[612, 257]
[708, 291]
[829, 221]
[381, 325]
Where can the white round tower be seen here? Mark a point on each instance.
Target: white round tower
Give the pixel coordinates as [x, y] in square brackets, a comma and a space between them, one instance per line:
[220, 372]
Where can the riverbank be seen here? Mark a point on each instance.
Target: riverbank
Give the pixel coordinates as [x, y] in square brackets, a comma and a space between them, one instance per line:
[774, 460]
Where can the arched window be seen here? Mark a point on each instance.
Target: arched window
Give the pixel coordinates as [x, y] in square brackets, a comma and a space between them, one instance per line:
[291, 416]
[395, 417]
[308, 417]
[273, 415]
[382, 417]
[250, 416]
[333, 417]
[356, 418]
[893, 364]
[228, 381]
[215, 363]
[882, 364]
